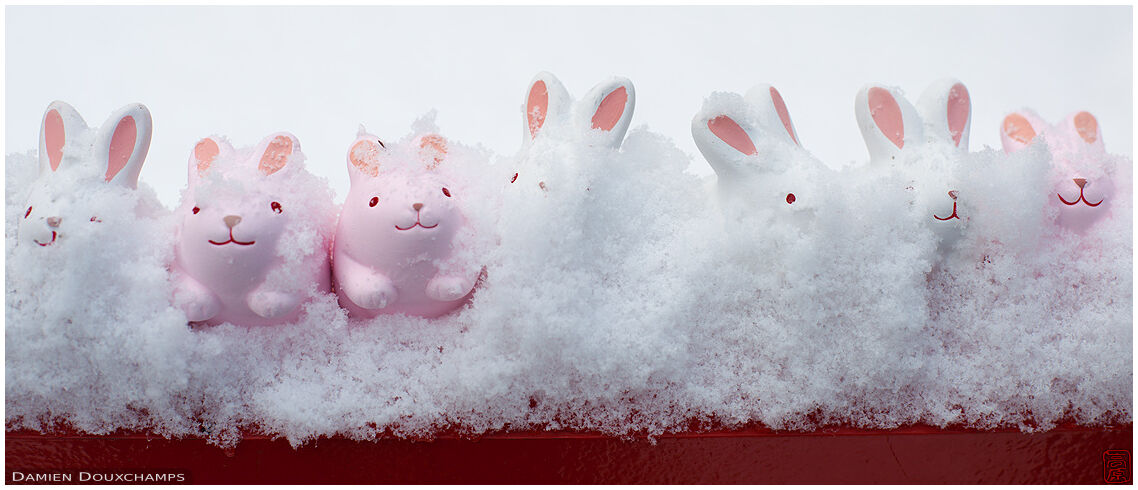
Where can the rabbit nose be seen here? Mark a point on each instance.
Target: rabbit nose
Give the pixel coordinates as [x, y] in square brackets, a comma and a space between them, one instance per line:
[417, 206]
[952, 194]
[1080, 182]
[53, 221]
[231, 221]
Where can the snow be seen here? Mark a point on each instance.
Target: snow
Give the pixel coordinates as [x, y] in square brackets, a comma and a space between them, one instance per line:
[626, 298]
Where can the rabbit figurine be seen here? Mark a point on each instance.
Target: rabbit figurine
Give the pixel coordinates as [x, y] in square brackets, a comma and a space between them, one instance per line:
[894, 131]
[551, 117]
[1085, 186]
[70, 152]
[251, 246]
[751, 143]
[401, 242]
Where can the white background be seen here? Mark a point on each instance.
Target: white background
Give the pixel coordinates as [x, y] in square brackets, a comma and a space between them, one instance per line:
[319, 72]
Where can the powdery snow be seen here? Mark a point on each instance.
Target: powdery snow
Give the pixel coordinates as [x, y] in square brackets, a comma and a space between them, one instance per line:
[626, 298]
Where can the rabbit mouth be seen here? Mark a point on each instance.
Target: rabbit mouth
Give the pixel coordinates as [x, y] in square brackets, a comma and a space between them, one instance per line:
[417, 223]
[951, 216]
[233, 240]
[45, 244]
[1082, 198]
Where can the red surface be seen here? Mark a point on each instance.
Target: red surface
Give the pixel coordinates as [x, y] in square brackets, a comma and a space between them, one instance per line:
[910, 455]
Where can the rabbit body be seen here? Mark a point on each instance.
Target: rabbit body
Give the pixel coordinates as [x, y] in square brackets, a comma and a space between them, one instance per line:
[401, 239]
[247, 251]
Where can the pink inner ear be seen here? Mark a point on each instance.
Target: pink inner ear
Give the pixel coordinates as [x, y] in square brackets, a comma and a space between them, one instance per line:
[1017, 127]
[364, 155]
[1087, 126]
[887, 115]
[276, 155]
[731, 133]
[205, 153]
[122, 146]
[958, 106]
[537, 106]
[780, 107]
[54, 137]
[433, 147]
[610, 110]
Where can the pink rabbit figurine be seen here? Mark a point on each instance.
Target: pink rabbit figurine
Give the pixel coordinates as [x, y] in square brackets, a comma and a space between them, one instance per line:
[1084, 186]
[72, 154]
[250, 250]
[400, 245]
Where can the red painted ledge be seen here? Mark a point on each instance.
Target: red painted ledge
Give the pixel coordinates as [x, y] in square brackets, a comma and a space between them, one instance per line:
[915, 454]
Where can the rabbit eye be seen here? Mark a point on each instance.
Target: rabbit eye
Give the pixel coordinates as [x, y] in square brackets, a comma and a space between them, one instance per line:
[95, 219]
[276, 207]
[373, 202]
[790, 198]
[197, 210]
[515, 179]
[28, 212]
[446, 192]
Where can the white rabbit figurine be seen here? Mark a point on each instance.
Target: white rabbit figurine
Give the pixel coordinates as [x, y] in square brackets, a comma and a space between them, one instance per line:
[251, 246]
[1084, 185]
[894, 131]
[401, 243]
[70, 152]
[753, 147]
[600, 119]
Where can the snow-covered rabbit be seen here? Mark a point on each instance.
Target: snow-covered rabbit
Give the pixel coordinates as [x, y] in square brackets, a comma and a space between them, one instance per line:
[401, 243]
[252, 243]
[75, 161]
[552, 120]
[753, 147]
[935, 133]
[1084, 179]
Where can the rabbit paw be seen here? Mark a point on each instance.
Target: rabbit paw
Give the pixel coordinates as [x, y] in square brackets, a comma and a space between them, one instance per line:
[448, 288]
[271, 304]
[197, 303]
[377, 297]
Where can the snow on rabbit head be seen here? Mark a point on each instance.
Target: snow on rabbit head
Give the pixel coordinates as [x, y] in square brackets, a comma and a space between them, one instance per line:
[401, 243]
[252, 242]
[558, 130]
[753, 147]
[926, 143]
[76, 163]
[1082, 178]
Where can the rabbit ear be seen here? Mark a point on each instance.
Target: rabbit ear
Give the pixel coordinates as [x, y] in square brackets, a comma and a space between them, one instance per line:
[432, 150]
[722, 132]
[1019, 129]
[206, 152]
[546, 101]
[772, 112]
[608, 107]
[946, 108]
[364, 157]
[1086, 126]
[276, 151]
[60, 124]
[123, 142]
[887, 121]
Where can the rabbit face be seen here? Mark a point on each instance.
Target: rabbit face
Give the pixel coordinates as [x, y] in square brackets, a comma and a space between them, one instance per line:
[1083, 188]
[393, 204]
[233, 228]
[753, 147]
[75, 163]
[555, 126]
